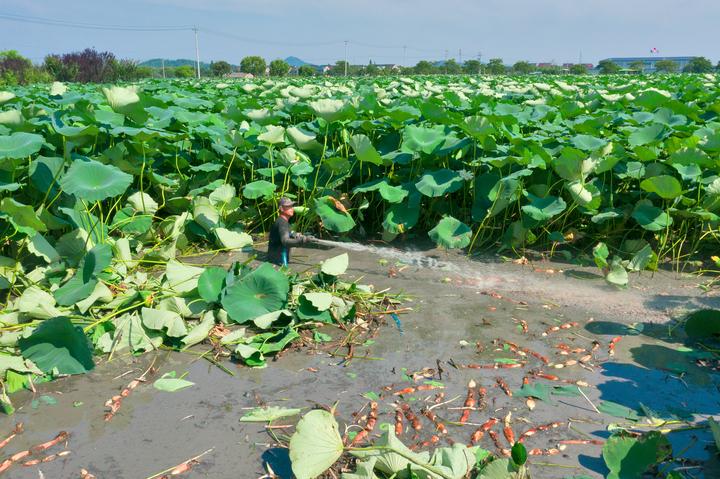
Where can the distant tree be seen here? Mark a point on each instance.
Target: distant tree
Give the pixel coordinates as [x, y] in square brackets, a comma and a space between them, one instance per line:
[279, 68]
[717, 68]
[339, 70]
[452, 67]
[87, 66]
[608, 67]
[638, 65]
[495, 66]
[220, 68]
[424, 67]
[306, 71]
[472, 67]
[126, 70]
[667, 66]
[16, 69]
[578, 69]
[185, 71]
[551, 70]
[523, 68]
[253, 64]
[698, 65]
[372, 69]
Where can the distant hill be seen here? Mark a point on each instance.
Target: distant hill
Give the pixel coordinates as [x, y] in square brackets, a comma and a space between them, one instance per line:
[157, 63]
[295, 62]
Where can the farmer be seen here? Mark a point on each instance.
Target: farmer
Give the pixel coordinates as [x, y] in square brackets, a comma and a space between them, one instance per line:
[281, 237]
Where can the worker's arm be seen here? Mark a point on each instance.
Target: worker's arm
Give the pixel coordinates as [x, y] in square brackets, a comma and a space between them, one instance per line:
[288, 240]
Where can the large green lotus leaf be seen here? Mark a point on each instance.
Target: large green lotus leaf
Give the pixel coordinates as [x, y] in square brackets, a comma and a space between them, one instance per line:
[665, 186]
[23, 217]
[273, 135]
[321, 301]
[451, 233]
[93, 181]
[258, 189]
[542, 209]
[390, 193]
[315, 445]
[330, 109]
[182, 278]
[691, 156]
[584, 194]
[588, 143]
[126, 100]
[573, 165]
[58, 345]
[44, 172]
[233, 239]
[439, 182]
[74, 132]
[20, 145]
[479, 127]
[262, 291]
[161, 320]
[651, 217]
[401, 217]
[37, 303]
[646, 135]
[498, 469]
[336, 265]
[703, 324]
[629, 457]
[75, 290]
[420, 139]
[304, 140]
[39, 246]
[201, 330]
[332, 218]
[11, 118]
[211, 284]
[6, 96]
[364, 150]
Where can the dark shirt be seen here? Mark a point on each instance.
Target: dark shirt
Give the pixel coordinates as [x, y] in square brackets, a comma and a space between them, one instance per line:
[280, 241]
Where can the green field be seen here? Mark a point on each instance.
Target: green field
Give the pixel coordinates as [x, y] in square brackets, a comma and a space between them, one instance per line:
[105, 191]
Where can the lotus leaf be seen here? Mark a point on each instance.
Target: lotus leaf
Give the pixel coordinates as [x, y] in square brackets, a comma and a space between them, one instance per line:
[262, 291]
[58, 345]
[451, 233]
[93, 181]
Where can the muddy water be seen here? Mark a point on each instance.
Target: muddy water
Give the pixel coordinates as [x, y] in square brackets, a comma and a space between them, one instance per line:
[460, 307]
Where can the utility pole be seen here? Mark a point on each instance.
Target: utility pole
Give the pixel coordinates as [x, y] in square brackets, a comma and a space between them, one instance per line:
[580, 58]
[460, 56]
[479, 56]
[163, 67]
[197, 52]
[446, 60]
[346, 57]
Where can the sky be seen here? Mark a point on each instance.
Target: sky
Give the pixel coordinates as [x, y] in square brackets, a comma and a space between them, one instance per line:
[560, 31]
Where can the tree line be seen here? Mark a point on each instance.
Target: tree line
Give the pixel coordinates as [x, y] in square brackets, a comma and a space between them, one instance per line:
[91, 66]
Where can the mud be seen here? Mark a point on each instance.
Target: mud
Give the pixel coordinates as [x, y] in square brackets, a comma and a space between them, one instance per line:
[459, 307]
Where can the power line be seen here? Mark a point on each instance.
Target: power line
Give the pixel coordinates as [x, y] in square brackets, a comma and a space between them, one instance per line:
[268, 42]
[92, 26]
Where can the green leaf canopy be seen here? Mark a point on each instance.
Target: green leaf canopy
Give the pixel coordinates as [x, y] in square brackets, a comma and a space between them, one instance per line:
[451, 233]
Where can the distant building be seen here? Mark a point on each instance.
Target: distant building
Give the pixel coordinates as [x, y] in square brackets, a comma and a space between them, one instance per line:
[589, 66]
[649, 63]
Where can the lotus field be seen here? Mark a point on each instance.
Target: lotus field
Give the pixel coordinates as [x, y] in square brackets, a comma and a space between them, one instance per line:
[104, 188]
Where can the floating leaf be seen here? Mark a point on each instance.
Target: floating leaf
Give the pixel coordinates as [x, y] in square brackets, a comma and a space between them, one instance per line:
[269, 414]
[336, 265]
[315, 445]
[169, 383]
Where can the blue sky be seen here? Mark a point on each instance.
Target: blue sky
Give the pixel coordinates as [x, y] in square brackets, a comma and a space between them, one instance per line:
[314, 30]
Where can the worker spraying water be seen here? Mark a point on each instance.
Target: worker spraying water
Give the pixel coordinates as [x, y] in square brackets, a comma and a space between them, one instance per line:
[282, 238]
